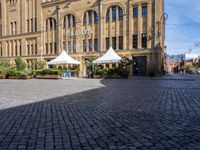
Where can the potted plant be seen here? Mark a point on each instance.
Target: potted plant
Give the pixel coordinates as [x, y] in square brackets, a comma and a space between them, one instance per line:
[2, 74]
[48, 74]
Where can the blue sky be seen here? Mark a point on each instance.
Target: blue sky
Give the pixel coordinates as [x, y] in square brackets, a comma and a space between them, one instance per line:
[182, 26]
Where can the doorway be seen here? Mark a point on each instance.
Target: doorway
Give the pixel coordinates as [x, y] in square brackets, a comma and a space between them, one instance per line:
[139, 66]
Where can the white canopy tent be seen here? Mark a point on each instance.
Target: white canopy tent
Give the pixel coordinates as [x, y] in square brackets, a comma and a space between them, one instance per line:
[63, 58]
[108, 58]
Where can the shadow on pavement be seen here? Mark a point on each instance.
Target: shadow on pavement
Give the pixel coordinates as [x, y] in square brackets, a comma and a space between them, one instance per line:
[124, 114]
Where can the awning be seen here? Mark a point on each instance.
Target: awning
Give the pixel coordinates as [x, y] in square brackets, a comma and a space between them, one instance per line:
[63, 58]
[109, 57]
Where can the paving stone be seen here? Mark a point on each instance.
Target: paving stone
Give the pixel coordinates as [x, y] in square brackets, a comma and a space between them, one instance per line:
[138, 113]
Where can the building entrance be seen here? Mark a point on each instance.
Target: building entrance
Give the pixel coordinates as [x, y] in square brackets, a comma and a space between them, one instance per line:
[139, 66]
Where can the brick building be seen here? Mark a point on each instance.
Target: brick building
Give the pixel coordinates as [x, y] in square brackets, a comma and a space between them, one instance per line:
[40, 29]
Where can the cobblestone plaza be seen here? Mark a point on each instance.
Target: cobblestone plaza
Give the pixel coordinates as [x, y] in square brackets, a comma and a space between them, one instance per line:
[137, 113]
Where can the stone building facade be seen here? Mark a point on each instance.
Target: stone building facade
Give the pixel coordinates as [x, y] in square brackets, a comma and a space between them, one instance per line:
[40, 29]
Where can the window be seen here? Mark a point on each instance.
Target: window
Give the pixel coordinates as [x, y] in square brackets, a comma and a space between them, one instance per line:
[114, 46]
[90, 44]
[120, 13]
[135, 41]
[55, 48]
[144, 11]
[55, 26]
[31, 24]
[74, 21]
[144, 40]
[32, 49]
[46, 45]
[114, 13]
[27, 23]
[121, 42]
[28, 49]
[64, 46]
[64, 22]
[90, 17]
[95, 18]
[51, 48]
[51, 24]
[84, 20]
[69, 46]
[20, 50]
[11, 28]
[35, 24]
[36, 52]
[107, 43]
[15, 27]
[69, 21]
[135, 12]
[96, 45]
[16, 54]
[1, 53]
[108, 16]
[84, 46]
[46, 25]
[74, 46]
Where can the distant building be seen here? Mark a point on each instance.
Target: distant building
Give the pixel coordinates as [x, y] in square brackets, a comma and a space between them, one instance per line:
[174, 62]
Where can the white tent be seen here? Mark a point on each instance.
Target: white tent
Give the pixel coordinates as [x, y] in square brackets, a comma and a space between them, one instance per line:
[63, 58]
[109, 57]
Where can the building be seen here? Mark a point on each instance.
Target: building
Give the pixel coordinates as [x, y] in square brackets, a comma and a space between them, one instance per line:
[175, 62]
[40, 29]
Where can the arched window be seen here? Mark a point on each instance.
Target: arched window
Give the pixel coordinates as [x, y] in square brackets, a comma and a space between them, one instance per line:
[92, 17]
[114, 13]
[95, 17]
[84, 20]
[69, 21]
[114, 10]
[108, 16]
[120, 13]
[50, 24]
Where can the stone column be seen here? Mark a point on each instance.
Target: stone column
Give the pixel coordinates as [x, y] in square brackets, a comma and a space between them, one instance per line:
[117, 30]
[13, 48]
[125, 30]
[58, 28]
[100, 26]
[18, 47]
[130, 27]
[140, 26]
[110, 27]
[149, 25]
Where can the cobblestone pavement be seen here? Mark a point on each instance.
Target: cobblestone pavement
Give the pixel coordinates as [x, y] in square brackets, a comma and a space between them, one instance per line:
[138, 113]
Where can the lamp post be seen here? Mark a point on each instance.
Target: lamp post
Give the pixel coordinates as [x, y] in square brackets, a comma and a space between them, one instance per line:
[157, 28]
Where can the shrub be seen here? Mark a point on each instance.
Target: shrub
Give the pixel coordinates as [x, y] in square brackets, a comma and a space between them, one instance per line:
[109, 72]
[124, 73]
[6, 65]
[40, 64]
[17, 73]
[1, 72]
[20, 64]
[47, 72]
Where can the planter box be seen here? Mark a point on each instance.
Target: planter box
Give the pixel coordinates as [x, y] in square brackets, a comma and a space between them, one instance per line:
[52, 76]
[20, 77]
[2, 76]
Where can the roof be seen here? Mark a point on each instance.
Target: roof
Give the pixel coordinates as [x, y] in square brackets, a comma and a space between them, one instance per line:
[63, 58]
[109, 57]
